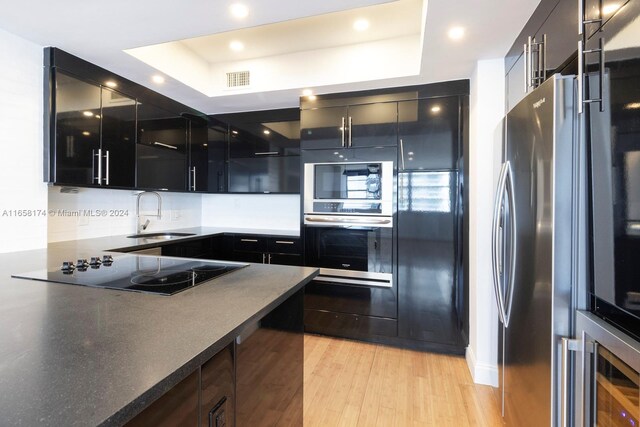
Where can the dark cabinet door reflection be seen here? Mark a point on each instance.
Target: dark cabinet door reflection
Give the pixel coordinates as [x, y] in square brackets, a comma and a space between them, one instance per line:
[269, 362]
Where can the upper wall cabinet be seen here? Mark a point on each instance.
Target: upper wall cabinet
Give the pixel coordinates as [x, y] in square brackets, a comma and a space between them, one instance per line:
[94, 141]
[207, 158]
[367, 125]
[429, 134]
[547, 43]
[161, 150]
[264, 151]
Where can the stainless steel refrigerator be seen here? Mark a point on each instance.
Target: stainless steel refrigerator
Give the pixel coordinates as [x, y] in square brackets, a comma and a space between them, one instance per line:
[536, 250]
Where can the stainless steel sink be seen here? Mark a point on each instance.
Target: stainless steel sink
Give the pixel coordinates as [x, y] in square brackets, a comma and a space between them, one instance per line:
[160, 236]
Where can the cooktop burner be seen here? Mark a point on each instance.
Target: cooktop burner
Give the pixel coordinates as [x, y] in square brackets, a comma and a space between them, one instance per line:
[149, 274]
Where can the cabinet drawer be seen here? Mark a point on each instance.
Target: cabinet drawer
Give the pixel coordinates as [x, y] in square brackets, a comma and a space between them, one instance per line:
[348, 325]
[284, 245]
[249, 243]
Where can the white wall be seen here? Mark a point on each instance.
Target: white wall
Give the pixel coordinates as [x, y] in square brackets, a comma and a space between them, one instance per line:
[21, 122]
[78, 216]
[255, 211]
[486, 112]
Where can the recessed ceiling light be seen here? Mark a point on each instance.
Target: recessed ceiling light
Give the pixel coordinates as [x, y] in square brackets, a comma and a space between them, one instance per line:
[610, 8]
[435, 109]
[266, 131]
[341, 156]
[158, 79]
[456, 33]
[238, 10]
[111, 83]
[236, 46]
[235, 132]
[307, 92]
[336, 153]
[361, 24]
[411, 153]
[88, 113]
[86, 133]
[632, 106]
[205, 145]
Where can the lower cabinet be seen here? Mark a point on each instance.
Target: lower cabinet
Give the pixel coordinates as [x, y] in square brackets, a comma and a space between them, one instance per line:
[177, 407]
[217, 388]
[267, 250]
[256, 380]
[269, 368]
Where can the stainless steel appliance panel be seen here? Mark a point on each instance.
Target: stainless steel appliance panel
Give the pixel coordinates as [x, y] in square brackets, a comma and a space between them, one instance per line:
[533, 250]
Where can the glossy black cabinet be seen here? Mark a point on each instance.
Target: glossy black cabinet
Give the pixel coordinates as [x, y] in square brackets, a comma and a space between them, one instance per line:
[267, 250]
[268, 174]
[264, 151]
[162, 151]
[429, 132]
[94, 134]
[177, 407]
[217, 399]
[269, 367]
[613, 135]
[118, 138]
[367, 125]
[429, 220]
[207, 157]
[553, 29]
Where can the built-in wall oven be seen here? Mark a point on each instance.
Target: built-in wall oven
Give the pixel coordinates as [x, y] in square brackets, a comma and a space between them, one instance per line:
[348, 207]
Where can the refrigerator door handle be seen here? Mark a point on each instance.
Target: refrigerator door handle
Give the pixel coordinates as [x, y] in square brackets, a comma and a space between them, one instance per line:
[511, 199]
[495, 250]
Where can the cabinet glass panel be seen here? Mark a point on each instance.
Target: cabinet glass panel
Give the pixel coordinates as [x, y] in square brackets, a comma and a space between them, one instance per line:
[373, 125]
[617, 391]
[162, 149]
[119, 138]
[429, 134]
[323, 127]
[77, 106]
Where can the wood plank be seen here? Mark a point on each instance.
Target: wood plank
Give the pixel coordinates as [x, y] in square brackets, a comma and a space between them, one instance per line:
[349, 383]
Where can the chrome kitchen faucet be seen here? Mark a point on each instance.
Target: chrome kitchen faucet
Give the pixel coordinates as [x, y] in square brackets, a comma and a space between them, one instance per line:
[141, 227]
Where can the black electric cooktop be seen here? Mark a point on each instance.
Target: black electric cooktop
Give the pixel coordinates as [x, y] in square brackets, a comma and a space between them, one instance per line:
[138, 273]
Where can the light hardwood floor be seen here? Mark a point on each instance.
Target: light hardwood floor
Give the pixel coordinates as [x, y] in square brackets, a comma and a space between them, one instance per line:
[349, 383]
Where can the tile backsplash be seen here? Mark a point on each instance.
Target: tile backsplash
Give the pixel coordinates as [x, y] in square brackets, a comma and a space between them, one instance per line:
[103, 212]
[255, 211]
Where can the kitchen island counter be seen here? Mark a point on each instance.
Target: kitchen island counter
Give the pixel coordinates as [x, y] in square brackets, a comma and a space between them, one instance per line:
[75, 355]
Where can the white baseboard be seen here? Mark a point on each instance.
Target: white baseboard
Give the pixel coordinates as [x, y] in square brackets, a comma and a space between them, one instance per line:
[482, 373]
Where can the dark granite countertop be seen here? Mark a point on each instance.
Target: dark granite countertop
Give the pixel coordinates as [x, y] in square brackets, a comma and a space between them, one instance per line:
[73, 355]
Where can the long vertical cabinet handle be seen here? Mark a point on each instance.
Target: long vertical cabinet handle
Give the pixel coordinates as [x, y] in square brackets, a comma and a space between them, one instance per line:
[93, 166]
[106, 166]
[526, 68]
[193, 174]
[580, 76]
[495, 252]
[568, 345]
[513, 223]
[401, 154]
[350, 131]
[99, 177]
[529, 62]
[601, 100]
[543, 50]
[594, 386]
[342, 129]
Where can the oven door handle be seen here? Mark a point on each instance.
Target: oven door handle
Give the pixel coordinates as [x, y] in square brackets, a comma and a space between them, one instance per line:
[384, 222]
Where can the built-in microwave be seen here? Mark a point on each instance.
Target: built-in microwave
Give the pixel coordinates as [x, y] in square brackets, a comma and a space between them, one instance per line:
[348, 188]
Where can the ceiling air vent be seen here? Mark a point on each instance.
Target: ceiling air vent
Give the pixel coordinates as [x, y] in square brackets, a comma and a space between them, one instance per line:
[238, 79]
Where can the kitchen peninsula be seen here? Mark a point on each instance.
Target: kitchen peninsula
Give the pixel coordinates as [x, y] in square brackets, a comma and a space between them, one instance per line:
[77, 355]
